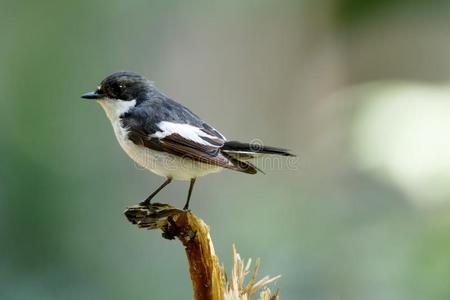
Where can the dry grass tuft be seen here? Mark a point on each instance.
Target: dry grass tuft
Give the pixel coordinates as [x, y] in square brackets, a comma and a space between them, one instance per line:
[235, 288]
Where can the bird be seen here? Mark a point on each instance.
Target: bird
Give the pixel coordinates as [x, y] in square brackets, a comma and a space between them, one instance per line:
[166, 138]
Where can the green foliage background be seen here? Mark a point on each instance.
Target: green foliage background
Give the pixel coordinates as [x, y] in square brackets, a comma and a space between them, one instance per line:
[280, 71]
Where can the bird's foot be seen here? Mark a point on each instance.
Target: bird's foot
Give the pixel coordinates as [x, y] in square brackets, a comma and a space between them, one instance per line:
[145, 203]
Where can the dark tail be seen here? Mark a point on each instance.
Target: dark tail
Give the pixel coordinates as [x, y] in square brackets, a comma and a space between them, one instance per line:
[250, 150]
[239, 154]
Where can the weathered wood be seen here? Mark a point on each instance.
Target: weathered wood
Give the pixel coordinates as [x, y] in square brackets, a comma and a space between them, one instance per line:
[204, 268]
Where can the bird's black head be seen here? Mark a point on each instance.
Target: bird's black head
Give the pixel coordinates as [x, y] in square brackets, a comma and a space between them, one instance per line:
[125, 86]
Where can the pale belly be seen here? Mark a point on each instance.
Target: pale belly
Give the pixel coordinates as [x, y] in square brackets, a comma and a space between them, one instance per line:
[161, 163]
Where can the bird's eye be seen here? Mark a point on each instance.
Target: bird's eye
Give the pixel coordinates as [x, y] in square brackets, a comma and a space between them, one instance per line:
[116, 89]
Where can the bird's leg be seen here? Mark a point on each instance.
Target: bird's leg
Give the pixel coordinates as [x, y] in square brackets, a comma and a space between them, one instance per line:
[191, 187]
[149, 198]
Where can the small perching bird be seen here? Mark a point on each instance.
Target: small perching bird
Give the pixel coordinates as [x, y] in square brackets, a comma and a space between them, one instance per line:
[165, 137]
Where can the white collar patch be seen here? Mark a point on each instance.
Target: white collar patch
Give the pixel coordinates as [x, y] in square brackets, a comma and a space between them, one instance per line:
[114, 108]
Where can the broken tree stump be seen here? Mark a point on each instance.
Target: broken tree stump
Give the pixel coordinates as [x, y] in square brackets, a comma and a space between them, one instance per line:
[207, 275]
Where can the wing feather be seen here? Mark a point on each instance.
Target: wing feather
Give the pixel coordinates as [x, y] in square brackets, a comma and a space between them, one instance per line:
[184, 140]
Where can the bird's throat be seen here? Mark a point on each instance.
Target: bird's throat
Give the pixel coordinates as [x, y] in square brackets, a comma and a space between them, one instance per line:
[114, 108]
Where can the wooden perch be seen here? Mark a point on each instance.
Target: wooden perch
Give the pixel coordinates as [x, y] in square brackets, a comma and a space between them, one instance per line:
[194, 235]
[207, 276]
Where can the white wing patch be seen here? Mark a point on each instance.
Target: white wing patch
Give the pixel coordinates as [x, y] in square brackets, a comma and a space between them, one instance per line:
[187, 131]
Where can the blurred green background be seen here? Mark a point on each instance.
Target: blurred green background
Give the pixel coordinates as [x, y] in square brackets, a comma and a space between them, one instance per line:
[358, 89]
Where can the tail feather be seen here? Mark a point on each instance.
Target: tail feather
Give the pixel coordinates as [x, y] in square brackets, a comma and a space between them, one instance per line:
[249, 150]
[239, 154]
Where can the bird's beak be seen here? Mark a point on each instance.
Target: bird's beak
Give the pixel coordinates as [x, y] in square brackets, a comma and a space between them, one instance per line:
[92, 95]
